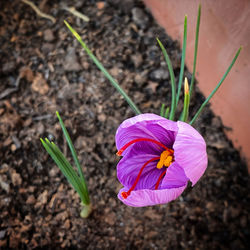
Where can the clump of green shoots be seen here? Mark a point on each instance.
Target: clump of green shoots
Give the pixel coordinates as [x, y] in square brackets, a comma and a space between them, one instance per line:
[76, 179]
[167, 112]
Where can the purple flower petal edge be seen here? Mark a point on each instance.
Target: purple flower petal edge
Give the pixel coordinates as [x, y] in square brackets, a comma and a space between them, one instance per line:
[146, 126]
[147, 197]
[190, 151]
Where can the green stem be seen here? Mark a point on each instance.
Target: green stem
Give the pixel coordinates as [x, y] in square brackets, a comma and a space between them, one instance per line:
[182, 60]
[172, 78]
[195, 49]
[86, 210]
[104, 71]
[216, 88]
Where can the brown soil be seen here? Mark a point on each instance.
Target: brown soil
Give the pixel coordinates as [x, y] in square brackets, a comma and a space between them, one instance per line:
[43, 69]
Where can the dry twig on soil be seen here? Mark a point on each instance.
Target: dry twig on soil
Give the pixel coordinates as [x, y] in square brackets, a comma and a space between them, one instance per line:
[39, 12]
[76, 13]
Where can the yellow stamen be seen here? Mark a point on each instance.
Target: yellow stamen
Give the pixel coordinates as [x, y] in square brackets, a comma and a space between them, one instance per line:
[166, 159]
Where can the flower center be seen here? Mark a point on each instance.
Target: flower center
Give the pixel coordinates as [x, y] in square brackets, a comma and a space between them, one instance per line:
[165, 160]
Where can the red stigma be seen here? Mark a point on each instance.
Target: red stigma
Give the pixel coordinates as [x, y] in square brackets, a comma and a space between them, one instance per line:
[126, 194]
[159, 179]
[119, 153]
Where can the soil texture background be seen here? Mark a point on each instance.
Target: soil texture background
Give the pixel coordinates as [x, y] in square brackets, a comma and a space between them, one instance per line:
[44, 69]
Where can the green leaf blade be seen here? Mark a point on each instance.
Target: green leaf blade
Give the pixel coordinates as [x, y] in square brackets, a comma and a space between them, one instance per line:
[104, 71]
[73, 151]
[65, 168]
[195, 49]
[62, 165]
[73, 175]
[172, 79]
[182, 60]
[216, 88]
[162, 110]
[166, 113]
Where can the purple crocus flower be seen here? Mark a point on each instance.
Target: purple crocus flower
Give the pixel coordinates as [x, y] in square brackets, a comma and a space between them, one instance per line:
[159, 158]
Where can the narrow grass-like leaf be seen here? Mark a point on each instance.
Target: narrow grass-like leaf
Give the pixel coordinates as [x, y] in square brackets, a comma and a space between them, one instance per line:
[104, 71]
[65, 167]
[216, 88]
[162, 110]
[184, 45]
[195, 49]
[186, 101]
[166, 113]
[73, 152]
[172, 78]
[82, 192]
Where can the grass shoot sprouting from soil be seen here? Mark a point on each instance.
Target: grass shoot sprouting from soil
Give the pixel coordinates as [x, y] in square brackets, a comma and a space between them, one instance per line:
[76, 179]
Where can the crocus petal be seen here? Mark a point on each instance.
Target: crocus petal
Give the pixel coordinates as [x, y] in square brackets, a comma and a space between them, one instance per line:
[175, 177]
[190, 159]
[190, 151]
[129, 167]
[146, 126]
[146, 197]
